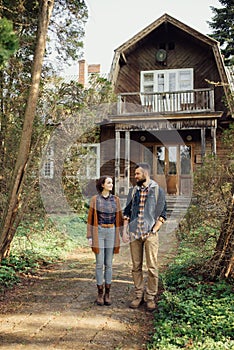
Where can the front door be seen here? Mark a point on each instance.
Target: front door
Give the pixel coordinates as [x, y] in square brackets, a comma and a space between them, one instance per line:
[171, 167]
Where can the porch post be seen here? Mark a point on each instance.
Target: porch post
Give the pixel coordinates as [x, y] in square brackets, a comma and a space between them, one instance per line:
[127, 161]
[117, 161]
[213, 135]
[203, 142]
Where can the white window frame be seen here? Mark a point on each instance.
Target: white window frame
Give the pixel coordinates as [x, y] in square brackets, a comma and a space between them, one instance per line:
[165, 101]
[88, 173]
[48, 165]
[155, 82]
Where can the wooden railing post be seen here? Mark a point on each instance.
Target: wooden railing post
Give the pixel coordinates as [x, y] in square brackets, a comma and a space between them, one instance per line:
[212, 106]
[119, 105]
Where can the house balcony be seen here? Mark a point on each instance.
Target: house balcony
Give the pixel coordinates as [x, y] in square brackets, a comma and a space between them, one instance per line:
[189, 101]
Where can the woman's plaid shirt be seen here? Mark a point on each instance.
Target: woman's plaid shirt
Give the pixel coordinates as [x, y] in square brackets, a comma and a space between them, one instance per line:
[106, 209]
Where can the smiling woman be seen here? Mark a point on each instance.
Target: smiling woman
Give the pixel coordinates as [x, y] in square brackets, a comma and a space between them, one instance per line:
[103, 231]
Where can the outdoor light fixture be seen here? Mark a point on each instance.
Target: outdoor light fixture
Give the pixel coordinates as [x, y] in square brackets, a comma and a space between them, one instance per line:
[188, 137]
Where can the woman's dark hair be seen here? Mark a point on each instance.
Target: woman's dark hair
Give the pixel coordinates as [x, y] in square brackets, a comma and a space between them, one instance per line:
[101, 182]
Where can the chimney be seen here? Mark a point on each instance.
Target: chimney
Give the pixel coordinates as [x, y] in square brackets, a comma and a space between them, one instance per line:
[94, 68]
[83, 72]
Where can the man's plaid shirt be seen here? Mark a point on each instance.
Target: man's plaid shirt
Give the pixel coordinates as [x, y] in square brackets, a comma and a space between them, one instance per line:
[140, 220]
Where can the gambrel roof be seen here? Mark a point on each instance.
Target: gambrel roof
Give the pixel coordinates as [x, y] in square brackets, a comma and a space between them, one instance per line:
[230, 74]
[136, 40]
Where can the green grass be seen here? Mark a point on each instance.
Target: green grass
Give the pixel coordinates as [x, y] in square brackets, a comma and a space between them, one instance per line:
[41, 242]
[193, 313]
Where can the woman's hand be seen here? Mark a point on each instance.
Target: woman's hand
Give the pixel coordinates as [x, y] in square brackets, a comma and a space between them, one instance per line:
[125, 236]
[90, 242]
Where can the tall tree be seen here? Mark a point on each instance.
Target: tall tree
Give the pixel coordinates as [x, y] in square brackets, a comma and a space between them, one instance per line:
[222, 25]
[7, 226]
[221, 264]
[211, 220]
[33, 21]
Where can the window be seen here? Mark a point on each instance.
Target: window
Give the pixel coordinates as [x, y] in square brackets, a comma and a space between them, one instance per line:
[184, 80]
[167, 80]
[90, 156]
[172, 155]
[185, 160]
[160, 160]
[48, 165]
[171, 45]
[156, 89]
[148, 156]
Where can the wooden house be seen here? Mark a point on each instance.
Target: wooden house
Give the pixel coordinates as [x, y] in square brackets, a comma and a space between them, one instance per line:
[173, 94]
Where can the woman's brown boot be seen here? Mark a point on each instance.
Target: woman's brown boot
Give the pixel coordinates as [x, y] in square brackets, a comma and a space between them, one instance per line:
[107, 299]
[100, 297]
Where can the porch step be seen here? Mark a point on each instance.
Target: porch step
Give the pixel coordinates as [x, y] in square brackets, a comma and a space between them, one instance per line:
[176, 205]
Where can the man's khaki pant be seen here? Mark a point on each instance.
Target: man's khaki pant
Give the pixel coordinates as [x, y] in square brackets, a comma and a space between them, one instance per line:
[150, 247]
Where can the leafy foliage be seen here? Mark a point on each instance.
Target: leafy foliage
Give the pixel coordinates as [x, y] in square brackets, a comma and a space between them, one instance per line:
[192, 313]
[223, 28]
[65, 41]
[15, 78]
[213, 191]
[8, 41]
[67, 26]
[38, 243]
[77, 110]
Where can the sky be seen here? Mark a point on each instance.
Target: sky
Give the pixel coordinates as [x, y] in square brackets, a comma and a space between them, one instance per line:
[112, 22]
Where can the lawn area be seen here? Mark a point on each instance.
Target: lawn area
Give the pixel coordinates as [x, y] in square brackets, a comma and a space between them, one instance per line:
[41, 242]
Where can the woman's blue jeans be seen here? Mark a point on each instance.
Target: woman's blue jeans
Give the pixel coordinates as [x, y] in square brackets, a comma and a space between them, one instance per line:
[106, 241]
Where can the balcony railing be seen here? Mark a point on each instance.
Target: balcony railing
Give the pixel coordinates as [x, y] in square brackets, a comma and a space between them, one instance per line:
[198, 100]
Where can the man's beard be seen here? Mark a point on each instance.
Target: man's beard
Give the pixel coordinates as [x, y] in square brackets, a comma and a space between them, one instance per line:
[140, 182]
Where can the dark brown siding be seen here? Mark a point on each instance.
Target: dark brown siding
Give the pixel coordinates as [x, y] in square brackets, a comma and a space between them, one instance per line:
[188, 52]
[107, 150]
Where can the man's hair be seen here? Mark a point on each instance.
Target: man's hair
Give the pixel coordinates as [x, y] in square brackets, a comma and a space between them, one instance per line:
[144, 166]
[100, 182]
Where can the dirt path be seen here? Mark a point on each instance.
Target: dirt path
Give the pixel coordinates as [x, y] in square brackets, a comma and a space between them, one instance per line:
[57, 310]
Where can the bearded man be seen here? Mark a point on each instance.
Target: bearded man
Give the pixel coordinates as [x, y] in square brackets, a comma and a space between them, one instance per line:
[144, 214]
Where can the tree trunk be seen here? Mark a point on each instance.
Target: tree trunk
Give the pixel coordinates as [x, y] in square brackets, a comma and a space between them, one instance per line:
[221, 265]
[8, 224]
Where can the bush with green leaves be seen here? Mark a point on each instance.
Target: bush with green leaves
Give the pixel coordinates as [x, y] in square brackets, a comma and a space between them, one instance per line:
[8, 41]
[39, 243]
[192, 313]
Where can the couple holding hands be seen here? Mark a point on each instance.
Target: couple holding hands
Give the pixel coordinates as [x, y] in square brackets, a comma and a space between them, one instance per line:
[138, 224]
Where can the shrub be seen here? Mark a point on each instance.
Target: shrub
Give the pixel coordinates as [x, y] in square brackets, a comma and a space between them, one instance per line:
[193, 313]
[40, 242]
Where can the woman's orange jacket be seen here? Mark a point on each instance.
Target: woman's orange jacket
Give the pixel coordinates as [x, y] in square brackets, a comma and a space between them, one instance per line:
[92, 224]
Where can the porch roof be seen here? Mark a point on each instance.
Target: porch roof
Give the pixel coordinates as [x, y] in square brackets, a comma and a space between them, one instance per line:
[159, 122]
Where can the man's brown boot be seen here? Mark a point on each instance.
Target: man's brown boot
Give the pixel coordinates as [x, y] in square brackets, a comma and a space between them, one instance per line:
[107, 299]
[100, 298]
[150, 305]
[136, 302]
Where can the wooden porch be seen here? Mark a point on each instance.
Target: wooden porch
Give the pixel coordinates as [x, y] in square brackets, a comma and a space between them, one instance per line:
[196, 100]
[144, 139]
